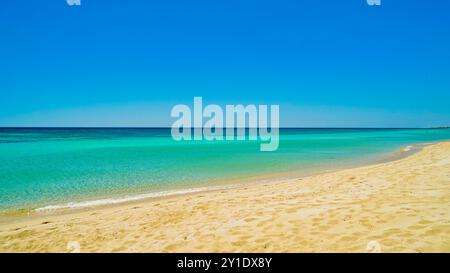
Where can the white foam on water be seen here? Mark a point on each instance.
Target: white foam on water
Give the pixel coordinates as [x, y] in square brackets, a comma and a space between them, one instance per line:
[109, 201]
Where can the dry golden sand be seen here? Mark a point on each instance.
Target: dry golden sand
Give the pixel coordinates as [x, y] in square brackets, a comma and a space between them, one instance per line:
[404, 206]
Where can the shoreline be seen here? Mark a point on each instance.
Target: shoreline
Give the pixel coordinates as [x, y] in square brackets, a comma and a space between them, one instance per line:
[20, 214]
[200, 215]
[222, 184]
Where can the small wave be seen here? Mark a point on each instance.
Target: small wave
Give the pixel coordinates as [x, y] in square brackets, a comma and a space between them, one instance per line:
[109, 201]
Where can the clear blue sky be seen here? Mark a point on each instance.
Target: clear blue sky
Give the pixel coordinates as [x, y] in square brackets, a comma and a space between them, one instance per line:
[327, 63]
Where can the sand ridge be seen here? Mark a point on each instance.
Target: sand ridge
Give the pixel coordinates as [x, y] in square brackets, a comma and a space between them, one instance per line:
[399, 206]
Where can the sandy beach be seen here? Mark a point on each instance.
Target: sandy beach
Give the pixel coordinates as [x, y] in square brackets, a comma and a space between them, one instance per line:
[398, 206]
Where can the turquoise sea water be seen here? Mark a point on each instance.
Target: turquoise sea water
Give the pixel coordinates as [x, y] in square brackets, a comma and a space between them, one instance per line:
[40, 167]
